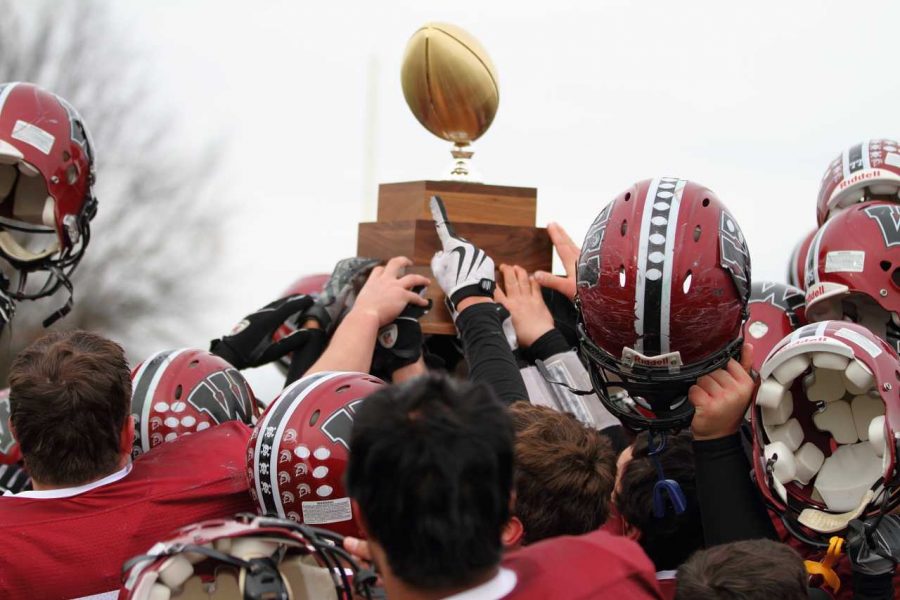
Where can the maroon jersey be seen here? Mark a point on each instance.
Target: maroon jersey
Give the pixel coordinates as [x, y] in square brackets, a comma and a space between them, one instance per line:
[66, 547]
[593, 565]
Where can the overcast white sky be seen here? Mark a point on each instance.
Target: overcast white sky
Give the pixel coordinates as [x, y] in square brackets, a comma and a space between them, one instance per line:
[752, 99]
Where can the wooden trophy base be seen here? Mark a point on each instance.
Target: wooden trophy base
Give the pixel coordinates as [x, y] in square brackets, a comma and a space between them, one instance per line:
[498, 219]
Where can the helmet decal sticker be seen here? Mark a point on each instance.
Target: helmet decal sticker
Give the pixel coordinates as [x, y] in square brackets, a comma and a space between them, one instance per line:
[735, 256]
[888, 218]
[855, 159]
[340, 424]
[784, 297]
[209, 397]
[589, 262]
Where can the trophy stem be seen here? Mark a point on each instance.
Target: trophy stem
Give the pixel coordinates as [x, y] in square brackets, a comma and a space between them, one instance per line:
[461, 169]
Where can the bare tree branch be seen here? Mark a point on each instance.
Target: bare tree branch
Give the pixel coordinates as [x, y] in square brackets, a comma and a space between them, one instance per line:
[157, 232]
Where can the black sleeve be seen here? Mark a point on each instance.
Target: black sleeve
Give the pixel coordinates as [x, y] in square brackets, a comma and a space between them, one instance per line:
[873, 587]
[731, 508]
[550, 344]
[490, 359]
[305, 356]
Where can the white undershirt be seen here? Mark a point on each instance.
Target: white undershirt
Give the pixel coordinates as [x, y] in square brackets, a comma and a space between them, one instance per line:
[665, 575]
[495, 588]
[74, 491]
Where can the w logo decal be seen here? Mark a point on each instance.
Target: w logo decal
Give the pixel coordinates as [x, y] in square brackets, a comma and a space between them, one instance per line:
[888, 218]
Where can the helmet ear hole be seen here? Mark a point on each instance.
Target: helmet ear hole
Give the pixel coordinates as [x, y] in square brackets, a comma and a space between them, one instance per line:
[621, 275]
[178, 391]
[697, 232]
[895, 277]
[314, 418]
[624, 228]
[885, 265]
[686, 285]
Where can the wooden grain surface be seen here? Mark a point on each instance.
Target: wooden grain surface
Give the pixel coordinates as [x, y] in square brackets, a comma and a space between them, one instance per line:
[529, 247]
[465, 202]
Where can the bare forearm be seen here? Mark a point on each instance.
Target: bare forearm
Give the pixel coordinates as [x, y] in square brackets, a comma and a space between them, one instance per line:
[351, 345]
[409, 371]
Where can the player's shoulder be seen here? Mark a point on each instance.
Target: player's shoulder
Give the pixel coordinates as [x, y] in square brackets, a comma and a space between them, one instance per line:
[224, 442]
[570, 563]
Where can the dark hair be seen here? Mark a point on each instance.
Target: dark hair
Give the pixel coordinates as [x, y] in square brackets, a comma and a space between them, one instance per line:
[565, 473]
[431, 468]
[669, 540]
[70, 393]
[747, 570]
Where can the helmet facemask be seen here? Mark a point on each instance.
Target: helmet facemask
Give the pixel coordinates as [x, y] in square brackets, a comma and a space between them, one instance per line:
[644, 397]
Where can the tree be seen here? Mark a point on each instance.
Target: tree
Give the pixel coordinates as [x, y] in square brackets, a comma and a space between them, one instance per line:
[145, 274]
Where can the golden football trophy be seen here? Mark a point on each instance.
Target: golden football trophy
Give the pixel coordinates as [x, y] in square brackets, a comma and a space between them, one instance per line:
[451, 87]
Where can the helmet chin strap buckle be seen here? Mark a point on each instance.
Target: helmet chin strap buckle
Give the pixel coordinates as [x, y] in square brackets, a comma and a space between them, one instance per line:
[262, 581]
[665, 491]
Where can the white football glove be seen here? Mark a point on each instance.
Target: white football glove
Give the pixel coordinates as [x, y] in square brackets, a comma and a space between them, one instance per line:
[461, 268]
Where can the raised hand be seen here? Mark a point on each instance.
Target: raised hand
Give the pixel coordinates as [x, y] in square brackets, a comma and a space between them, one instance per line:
[462, 269]
[721, 398]
[399, 344]
[568, 252]
[388, 291]
[250, 343]
[522, 298]
[339, 292]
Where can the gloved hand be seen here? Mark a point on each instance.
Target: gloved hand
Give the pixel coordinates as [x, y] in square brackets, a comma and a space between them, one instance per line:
[874, 551]
[462, 269]
[250, 343]
[399, 343]
[339, 292]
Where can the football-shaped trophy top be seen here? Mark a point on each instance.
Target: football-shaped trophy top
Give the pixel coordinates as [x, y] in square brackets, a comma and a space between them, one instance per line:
[450, 83]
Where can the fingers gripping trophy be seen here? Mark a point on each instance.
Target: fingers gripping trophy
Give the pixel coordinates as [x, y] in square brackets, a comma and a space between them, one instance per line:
[452, 89]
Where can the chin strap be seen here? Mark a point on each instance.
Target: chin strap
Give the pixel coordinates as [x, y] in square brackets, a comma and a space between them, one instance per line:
[825, 567]
[65, 308]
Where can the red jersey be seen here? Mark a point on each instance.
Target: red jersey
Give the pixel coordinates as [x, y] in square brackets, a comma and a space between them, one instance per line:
[71, 546]
[667, 584]
[594, 565]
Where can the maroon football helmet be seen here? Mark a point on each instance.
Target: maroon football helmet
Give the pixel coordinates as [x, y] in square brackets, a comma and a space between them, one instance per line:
[663, 285]
[309, 285]
[776, 310]
[258, 558]
[298, 452]
[867, 171]
[825, 419]
[179, 392]
[797, 268]
[853, 269]
[46, 180]
[9, 448]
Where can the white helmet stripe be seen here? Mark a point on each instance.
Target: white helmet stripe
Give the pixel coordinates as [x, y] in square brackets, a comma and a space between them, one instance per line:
[668, 260]
[5, 92]
[274, 422]
[812, 256]
[156, 365]
[640, 282]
